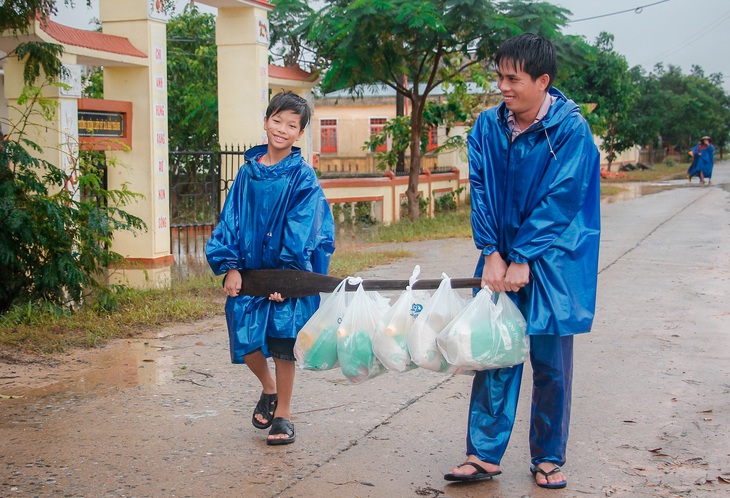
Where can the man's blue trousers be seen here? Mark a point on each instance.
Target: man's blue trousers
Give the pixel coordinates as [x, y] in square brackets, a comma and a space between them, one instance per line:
[494, 397]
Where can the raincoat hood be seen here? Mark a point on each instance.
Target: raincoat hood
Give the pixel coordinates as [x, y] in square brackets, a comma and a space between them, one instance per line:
[261, 171]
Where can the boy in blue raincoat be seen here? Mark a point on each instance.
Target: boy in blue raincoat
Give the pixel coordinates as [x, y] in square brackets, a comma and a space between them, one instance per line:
[275, 216]
[535, 194]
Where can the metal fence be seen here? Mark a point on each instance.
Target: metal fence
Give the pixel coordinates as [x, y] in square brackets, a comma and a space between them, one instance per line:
[199, 180]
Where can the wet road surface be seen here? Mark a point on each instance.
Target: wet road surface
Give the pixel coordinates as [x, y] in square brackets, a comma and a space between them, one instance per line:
[168, 415]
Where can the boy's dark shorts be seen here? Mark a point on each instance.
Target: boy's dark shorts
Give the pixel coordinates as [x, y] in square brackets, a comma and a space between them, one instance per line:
[282, 349]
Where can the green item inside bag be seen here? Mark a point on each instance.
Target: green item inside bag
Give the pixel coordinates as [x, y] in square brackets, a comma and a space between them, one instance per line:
[488, 348]
[323, 353]
[356, 356]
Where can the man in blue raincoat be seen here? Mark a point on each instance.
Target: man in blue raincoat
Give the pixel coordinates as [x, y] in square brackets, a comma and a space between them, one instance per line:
[275, 216]
[535, 194]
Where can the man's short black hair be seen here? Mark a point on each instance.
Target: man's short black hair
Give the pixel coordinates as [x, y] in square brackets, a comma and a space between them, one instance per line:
[290, 101]
[530, 53]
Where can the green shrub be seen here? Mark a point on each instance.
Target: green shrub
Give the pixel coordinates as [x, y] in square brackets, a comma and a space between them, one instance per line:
[55, 228]
[447, 202]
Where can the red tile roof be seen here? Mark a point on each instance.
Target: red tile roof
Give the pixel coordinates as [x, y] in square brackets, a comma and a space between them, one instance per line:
[90, 39]
[263, 3]
[237, 3]
[290, 73]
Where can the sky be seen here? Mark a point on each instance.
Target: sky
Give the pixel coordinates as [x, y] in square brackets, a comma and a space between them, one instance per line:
[678, 32]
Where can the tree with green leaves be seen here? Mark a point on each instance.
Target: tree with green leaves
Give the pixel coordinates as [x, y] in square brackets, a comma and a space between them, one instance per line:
[605, 80]
[289, 24]
[413, 46]
[464, 97]
[647, 114]
[679, 108]
[192, 81]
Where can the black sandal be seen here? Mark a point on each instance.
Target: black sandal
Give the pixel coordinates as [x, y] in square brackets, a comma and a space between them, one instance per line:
[266, 408]
[280, 426]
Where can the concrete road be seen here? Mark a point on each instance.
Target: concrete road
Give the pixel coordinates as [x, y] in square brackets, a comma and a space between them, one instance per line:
[170, 416]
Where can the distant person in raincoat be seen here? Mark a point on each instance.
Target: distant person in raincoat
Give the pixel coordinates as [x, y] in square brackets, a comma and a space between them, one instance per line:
[535, 195]
[703, 161]
[275, 216]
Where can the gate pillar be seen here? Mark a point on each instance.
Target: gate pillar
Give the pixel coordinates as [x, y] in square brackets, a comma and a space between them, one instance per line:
[144, 168]
[242, 36]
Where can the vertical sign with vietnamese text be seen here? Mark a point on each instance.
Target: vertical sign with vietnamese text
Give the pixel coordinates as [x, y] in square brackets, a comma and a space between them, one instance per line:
[160, 143]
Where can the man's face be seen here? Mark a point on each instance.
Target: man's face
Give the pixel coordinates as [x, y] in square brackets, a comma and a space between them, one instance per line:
[522, 95]
[283, 129]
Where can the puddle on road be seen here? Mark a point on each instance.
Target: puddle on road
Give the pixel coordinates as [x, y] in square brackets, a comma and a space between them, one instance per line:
[635, 190]
[123, 366]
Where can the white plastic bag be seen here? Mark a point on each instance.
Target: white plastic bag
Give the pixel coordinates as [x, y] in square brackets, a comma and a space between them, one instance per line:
[486, 335]
[443, 306]
[354, 336]
[316, 344]
[390, 342]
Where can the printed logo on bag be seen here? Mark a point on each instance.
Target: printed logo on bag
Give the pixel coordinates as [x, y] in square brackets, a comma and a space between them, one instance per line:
[416, 309]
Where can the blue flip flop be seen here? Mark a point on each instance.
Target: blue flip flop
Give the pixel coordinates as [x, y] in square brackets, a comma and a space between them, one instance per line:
[534, 470]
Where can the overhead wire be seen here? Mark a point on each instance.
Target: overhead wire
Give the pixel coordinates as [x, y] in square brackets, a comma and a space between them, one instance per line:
[637, 10]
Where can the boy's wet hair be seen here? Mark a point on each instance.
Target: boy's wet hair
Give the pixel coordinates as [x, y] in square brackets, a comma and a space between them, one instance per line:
[290, 101]
[530, 53]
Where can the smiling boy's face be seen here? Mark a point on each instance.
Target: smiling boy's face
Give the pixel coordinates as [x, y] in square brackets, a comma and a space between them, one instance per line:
[283, 129]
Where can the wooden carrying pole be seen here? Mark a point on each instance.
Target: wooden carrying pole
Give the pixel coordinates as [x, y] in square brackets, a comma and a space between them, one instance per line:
[296, 283]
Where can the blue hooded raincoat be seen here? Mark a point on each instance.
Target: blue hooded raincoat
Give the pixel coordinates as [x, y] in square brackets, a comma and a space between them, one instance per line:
[273, 217]
[537, 200]
[703, 161]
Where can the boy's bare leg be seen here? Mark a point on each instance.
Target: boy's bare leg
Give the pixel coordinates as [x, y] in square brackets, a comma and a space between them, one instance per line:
[258, 364]
[285, 372]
